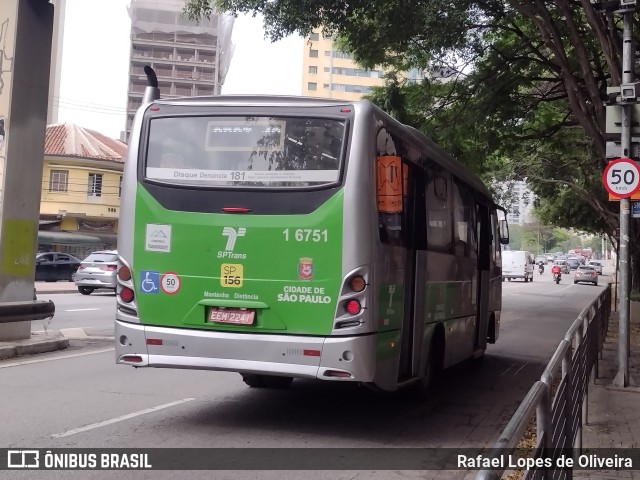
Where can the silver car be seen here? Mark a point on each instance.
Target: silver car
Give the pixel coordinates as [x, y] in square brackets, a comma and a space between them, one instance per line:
[98, 270]
[585, 274]
[597, 266]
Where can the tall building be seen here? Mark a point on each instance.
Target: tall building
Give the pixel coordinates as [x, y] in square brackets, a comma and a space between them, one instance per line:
[520, 203]
[56, 60]
[330, 73]
[189, 58]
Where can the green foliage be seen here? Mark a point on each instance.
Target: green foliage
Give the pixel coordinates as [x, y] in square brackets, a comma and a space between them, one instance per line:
[524, 98]
[538, 238]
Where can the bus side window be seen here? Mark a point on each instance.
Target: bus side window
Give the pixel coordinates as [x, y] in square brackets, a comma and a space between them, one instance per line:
[439, 221]
[496, 252]
[463, 221]
[390, 186]
[392, 200]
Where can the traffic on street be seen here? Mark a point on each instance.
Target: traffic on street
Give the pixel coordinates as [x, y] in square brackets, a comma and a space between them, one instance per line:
[92, 402]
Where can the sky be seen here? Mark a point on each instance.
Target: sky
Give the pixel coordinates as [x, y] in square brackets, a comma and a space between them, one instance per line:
[95, 64]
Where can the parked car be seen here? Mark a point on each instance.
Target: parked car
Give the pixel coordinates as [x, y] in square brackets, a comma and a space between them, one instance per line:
[597, 266]
[585, 273]
[54, 266]
[98, 270]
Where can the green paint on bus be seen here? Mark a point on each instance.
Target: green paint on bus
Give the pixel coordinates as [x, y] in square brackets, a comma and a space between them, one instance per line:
[286, 267]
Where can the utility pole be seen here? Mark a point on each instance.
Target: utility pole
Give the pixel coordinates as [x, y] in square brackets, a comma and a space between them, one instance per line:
[626, 88]
[620, 112]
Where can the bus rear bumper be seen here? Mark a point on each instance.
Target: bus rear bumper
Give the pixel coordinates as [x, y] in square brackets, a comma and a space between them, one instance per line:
[325, 358]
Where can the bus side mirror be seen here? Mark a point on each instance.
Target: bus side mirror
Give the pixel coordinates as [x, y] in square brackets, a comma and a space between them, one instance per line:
[503, 232]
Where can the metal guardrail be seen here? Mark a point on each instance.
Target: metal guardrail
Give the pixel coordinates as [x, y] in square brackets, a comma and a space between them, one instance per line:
[26, 311]
[560, 407]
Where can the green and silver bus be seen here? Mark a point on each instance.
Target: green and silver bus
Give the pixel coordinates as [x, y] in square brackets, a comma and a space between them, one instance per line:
[290, 237]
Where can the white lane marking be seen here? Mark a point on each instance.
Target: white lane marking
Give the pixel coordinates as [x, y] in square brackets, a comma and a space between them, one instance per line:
[121, 418]
[71, 355]
[82, 310]
[503, 373]
[518, 371]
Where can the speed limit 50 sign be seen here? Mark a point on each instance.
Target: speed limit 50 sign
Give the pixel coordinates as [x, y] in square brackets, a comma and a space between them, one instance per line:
[621, 178]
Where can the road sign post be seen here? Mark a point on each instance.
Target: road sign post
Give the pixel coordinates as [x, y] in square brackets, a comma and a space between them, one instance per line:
[621, 177]
[628, 97]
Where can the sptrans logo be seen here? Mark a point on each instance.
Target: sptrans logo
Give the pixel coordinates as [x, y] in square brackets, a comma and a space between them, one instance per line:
[232, 235]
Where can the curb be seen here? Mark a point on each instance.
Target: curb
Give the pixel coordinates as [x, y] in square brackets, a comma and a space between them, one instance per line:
[30, 347]
[53, 292]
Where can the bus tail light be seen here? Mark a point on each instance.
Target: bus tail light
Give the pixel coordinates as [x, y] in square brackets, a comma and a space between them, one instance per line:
[131, 358]
[124, 273]
[154, 341]
[357, 283]
[353, 307]
[108, 268]
[126, 295]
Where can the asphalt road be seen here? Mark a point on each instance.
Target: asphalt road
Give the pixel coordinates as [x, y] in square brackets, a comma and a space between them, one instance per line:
[80, 398]
[74, 310]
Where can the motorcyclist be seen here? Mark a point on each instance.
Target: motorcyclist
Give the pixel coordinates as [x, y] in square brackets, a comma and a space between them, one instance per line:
[541, 266]
[555, 270]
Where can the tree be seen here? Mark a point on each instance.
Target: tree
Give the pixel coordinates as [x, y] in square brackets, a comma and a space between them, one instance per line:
[527, 98]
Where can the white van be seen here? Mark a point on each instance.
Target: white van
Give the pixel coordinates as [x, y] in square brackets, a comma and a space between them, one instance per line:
[517, 264]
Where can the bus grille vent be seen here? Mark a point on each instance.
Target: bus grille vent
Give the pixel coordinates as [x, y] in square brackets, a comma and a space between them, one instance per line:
[348, 323]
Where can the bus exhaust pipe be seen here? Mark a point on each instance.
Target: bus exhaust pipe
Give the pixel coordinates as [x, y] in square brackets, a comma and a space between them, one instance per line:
[151, 92]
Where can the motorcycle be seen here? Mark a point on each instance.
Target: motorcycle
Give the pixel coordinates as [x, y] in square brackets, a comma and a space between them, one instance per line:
[556, 277]
[541, 268]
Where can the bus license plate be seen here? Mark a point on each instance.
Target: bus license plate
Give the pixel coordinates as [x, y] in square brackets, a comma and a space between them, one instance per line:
[239, 316]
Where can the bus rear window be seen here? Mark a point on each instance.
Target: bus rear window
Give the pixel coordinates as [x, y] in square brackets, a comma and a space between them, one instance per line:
[260, 152]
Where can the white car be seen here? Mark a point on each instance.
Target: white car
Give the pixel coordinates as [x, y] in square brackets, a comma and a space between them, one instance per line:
[597, 265]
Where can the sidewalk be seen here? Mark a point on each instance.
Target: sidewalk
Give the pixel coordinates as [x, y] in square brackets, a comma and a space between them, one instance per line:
[614, 412]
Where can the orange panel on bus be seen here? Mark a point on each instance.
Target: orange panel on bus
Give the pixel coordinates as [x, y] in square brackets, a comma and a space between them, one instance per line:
[389, 186]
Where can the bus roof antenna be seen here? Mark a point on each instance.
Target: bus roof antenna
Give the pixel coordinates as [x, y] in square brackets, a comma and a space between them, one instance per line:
[151, 91]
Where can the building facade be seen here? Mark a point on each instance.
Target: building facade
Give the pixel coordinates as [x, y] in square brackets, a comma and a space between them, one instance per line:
[81, 188]
[330, 73]
[189, 58]
[520, 203]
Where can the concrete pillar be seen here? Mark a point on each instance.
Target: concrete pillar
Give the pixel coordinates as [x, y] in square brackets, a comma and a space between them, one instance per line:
[56, 61]
[26, 28]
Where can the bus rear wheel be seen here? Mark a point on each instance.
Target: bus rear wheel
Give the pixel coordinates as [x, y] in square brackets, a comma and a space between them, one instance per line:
[266, 381]
[422, 389]
[85, 290]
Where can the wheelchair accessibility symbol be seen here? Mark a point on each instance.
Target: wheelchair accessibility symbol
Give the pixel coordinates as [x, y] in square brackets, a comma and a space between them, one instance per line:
[149, 281]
